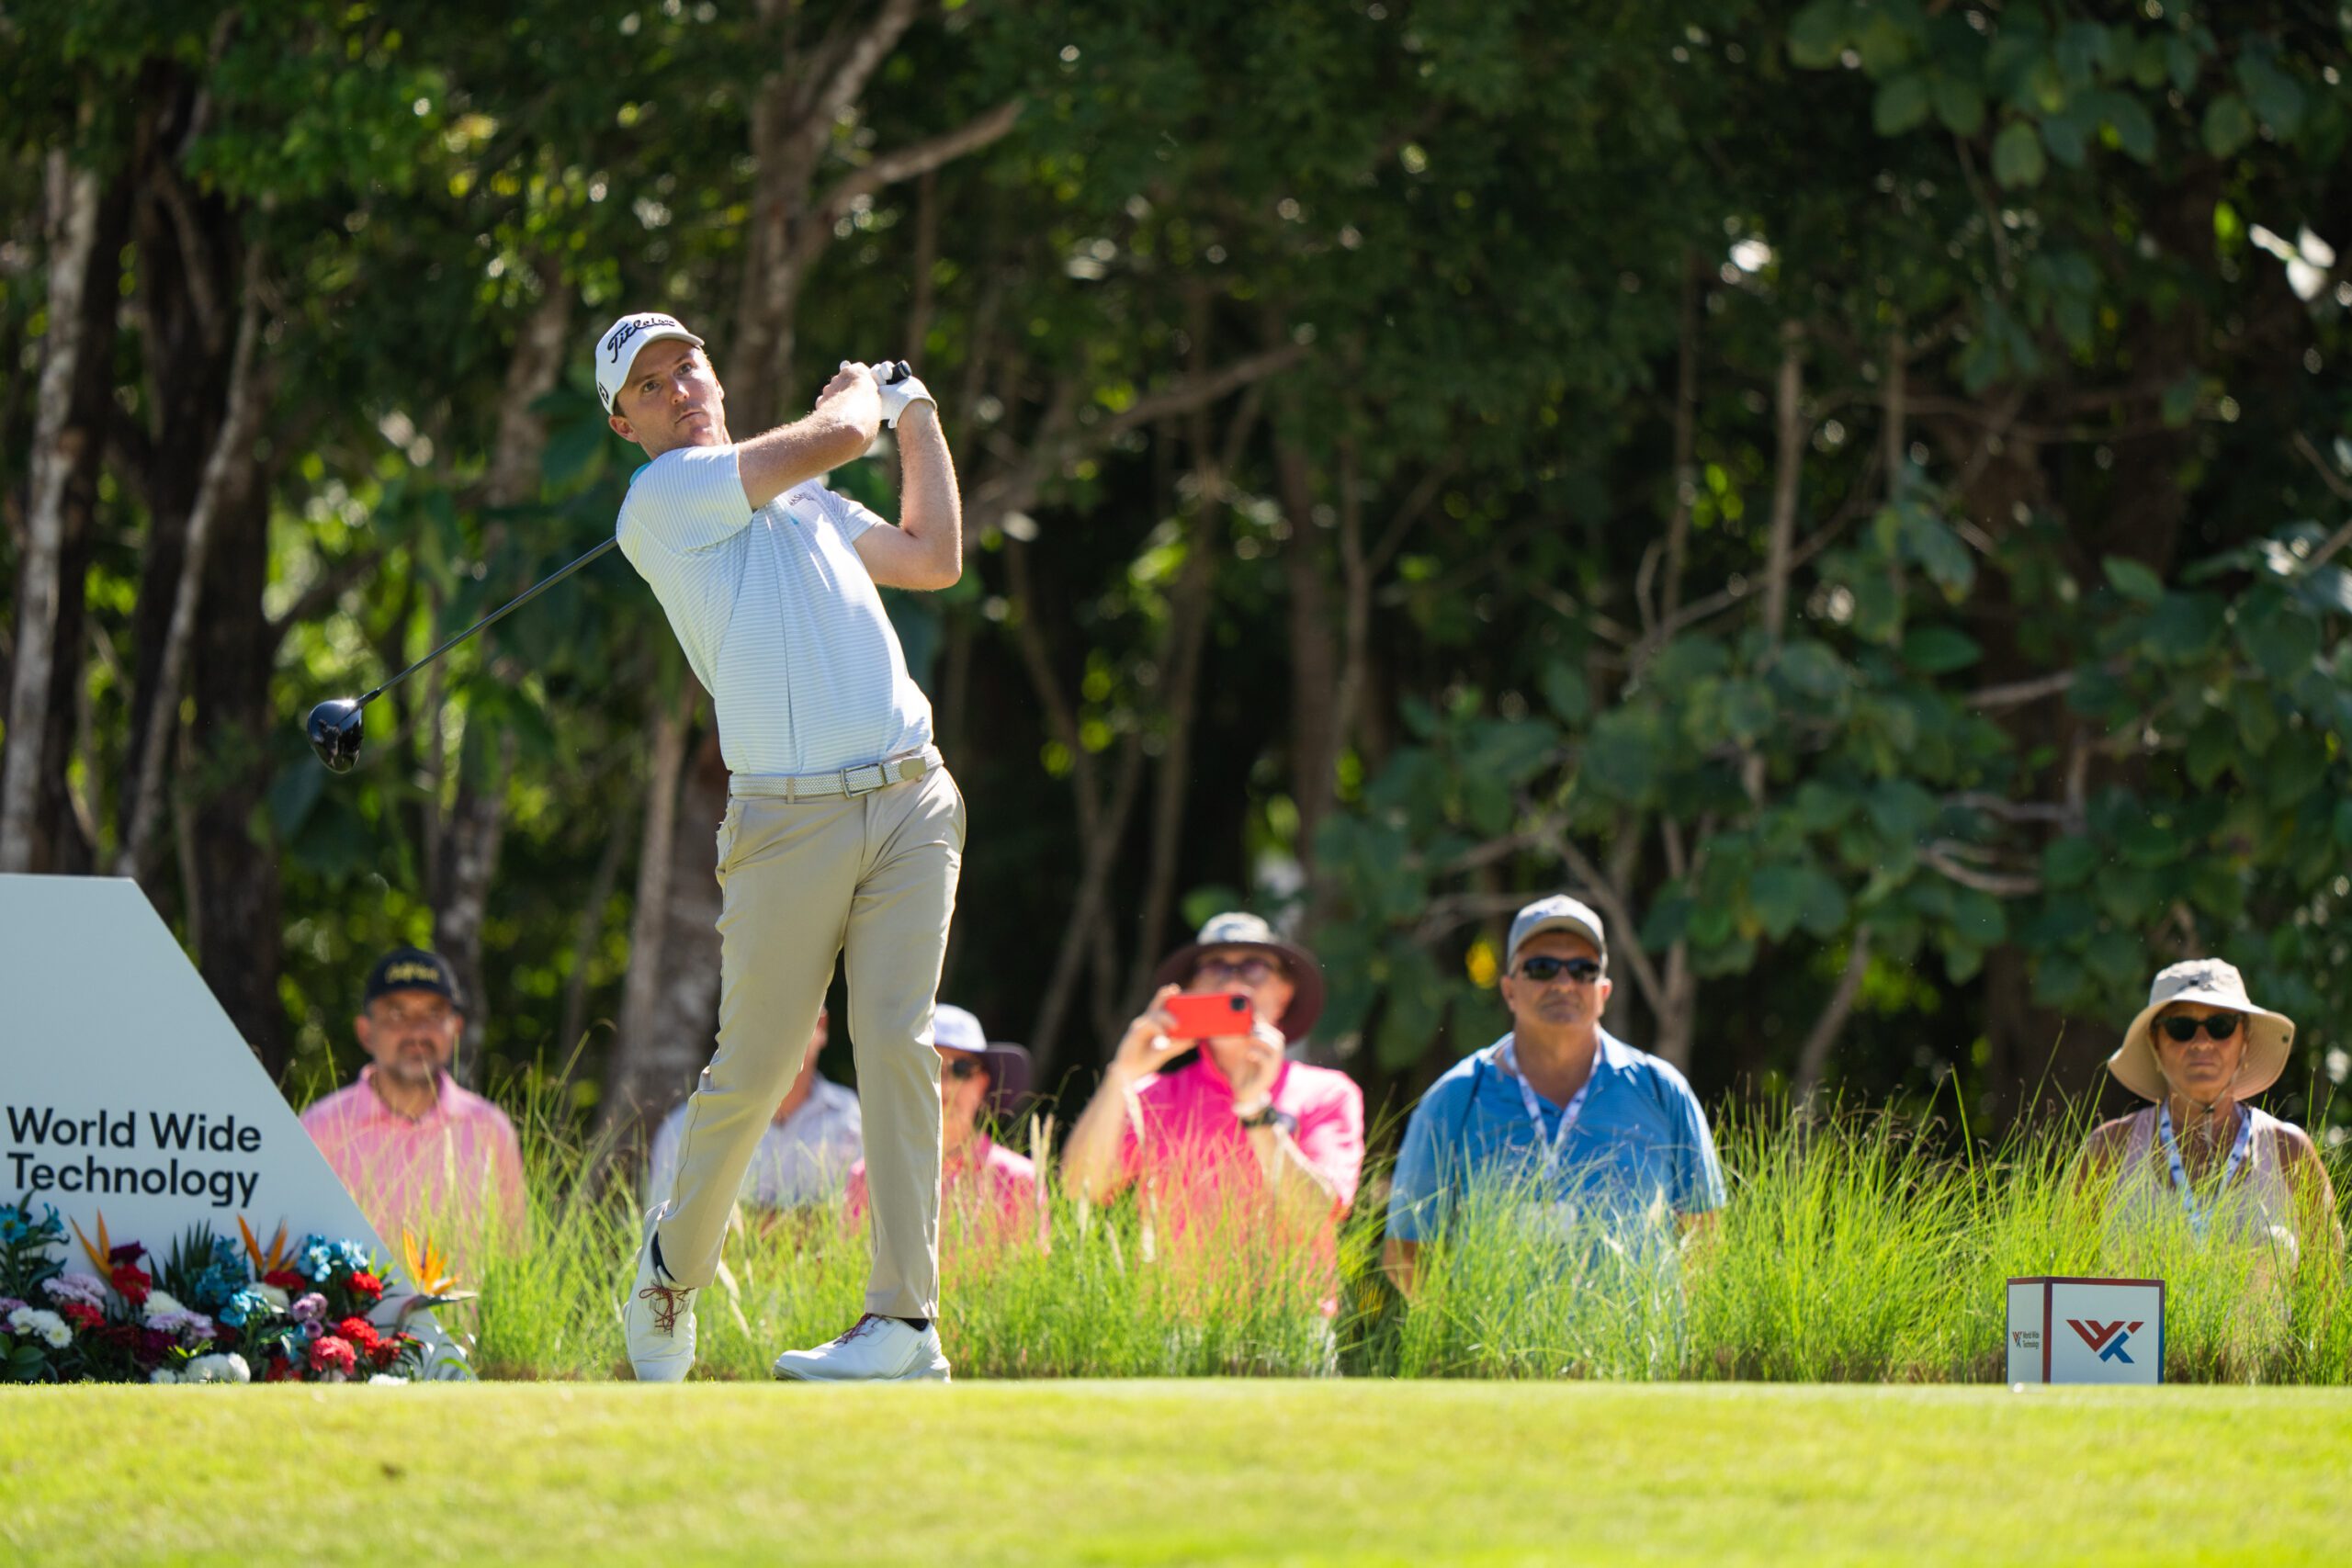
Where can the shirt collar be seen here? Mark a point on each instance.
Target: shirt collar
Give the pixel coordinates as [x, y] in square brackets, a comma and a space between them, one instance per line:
[443, 1085]
[1611, 1052]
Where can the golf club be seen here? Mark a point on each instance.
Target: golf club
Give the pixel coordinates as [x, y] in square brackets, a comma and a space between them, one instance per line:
[335, 725]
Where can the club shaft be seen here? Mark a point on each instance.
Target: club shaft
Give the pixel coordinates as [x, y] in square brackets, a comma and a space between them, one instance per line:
[500, 613]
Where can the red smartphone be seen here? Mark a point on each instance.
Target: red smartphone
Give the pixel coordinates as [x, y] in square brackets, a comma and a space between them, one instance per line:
[1213, 1017]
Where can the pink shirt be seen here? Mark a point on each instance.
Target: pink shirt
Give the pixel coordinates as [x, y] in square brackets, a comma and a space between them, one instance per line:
[1201, 1178]
[1199, 1155]
[434, 1173]
[988, 1184]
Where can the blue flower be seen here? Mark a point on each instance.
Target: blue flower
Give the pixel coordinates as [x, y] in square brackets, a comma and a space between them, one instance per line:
[13, 1230]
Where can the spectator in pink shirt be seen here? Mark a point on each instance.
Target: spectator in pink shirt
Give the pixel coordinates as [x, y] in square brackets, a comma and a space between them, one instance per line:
[988, 1189]
[416, 1150]
[1240, 1147]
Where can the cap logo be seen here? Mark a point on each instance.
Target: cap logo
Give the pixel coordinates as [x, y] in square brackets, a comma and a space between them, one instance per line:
[411, 970]
[630, 328]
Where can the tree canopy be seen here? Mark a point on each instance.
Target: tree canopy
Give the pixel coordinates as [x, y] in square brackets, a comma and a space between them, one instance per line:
[1859, 493]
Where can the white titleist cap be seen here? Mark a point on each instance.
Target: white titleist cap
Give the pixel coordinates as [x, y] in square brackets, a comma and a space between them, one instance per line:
[618, 349]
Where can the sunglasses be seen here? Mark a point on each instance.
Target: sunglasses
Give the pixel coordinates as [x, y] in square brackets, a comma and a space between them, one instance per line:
[1543, 969]
[958, 1066]
[2216, 1026]
[1254, 970]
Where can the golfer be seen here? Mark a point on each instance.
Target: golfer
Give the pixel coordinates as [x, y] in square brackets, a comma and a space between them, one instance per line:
[843, 833]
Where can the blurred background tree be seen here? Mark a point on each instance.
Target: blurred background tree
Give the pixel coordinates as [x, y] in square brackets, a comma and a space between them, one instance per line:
[1859, 492]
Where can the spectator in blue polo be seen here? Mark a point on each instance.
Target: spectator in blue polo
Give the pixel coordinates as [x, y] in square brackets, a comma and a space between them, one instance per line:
[1558, 1114]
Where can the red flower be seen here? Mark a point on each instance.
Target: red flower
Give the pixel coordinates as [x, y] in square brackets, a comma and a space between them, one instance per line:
[388, 1349]
[81, 1315]
[280, 1369]
[129, 1252]
[360, 1331]
[153, 1345]
[286, 1279]
[364, 1284]
[130, 1282]
[330, 1354]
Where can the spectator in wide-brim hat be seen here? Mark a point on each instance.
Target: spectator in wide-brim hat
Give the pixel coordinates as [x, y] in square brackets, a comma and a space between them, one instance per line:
[981, 1083]
[1236, 1126]
[2198, 1052]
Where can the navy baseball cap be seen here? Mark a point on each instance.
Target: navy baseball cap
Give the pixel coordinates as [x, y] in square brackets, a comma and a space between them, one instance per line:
[411, 969]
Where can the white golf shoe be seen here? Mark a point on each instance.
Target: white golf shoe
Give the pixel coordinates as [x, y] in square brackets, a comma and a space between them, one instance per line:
[876, 1349]
[658, 1320]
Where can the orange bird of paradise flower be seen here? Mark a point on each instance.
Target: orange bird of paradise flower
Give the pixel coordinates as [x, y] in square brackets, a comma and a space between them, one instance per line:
[428, 1267]
[267, 1260]
[99, 1250]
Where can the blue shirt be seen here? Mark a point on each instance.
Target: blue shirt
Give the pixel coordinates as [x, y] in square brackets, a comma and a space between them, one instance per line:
[1640, 1137]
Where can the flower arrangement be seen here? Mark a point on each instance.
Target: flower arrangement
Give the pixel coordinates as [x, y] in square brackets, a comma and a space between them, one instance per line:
[210, 1311]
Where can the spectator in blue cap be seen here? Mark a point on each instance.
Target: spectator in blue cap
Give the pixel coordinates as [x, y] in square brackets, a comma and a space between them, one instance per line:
[1572, 1119]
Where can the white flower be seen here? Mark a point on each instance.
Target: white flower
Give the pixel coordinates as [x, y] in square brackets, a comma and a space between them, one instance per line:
[50, 1328]
[219, 1367]
[159, 1303]
[277, 1298]
[387, 1376]
[162, 1374]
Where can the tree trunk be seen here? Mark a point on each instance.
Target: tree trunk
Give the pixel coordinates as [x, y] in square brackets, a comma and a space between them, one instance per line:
[476, 825]
[228, 470]
[1315, 736]
[237, 860]
[670, 1008]
[67, 448]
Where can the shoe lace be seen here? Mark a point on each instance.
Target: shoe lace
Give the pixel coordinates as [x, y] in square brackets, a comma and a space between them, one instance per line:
[854, 1329]
[665, 1301]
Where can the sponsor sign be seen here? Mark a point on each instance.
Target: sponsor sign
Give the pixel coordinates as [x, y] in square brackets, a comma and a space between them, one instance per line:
[2069, 1329]
[126, 1092]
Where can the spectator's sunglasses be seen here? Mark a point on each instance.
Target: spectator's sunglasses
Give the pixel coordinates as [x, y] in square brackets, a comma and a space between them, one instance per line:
[2217, 1026]
[959, 1066]
[1543, 969]
[1252, 969]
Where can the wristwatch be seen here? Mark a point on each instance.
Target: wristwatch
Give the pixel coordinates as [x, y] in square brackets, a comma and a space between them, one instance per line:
[1264, 1115]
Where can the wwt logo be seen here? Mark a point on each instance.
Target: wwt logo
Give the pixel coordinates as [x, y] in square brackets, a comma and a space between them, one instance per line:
[2106, 1338]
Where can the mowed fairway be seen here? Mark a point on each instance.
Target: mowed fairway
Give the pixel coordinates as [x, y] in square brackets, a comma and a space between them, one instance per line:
[1175, 1472]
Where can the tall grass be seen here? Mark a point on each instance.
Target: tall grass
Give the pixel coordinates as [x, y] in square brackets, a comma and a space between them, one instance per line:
[1862, 1248]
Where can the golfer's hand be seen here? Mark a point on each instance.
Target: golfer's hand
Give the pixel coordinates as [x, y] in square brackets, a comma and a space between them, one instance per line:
[898, 397]
[853, 394]
[1146, 1046]
[1262, 1063]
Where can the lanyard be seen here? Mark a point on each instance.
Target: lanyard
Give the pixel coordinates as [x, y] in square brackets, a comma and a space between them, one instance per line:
[2240, 1148]
[1553, 1146]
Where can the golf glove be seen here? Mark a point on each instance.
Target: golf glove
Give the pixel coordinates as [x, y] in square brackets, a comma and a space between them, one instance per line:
[900, 396]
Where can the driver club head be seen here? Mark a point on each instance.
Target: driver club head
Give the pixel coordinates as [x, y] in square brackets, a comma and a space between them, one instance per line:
[334, 728]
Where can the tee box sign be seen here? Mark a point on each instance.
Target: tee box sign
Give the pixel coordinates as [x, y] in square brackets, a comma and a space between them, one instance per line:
[2067, 1329]
[125, 1090]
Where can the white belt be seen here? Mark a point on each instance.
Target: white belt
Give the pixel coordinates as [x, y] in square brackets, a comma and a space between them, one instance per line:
[863, 779]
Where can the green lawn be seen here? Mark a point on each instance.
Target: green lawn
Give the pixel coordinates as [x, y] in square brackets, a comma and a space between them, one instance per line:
[1188, 1471]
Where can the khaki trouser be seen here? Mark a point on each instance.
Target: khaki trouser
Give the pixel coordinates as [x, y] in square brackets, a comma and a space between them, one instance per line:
[872, 876]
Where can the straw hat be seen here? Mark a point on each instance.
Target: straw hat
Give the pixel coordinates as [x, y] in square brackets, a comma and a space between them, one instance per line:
[2271, 1036]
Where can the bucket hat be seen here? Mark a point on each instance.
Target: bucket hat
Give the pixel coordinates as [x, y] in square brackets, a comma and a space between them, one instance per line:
[2271, 1036]
[1236, 929]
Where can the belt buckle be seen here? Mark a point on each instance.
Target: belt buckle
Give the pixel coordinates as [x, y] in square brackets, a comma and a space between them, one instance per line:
[853, 786]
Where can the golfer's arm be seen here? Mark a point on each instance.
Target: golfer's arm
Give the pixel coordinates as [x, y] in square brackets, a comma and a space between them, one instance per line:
[1399, 1258]
[1091, 1162]
[926, 549]
[838, 432]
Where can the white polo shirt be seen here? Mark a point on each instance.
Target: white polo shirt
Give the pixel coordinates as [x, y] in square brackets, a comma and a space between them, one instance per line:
[776, 613]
